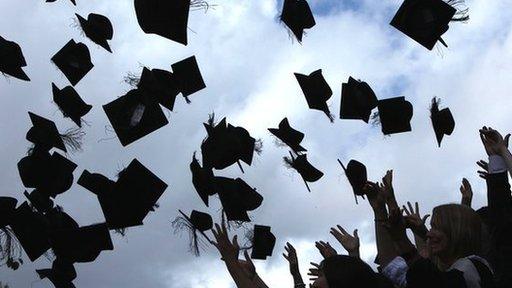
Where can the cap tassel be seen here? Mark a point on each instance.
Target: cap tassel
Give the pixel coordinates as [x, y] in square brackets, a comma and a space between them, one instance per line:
[258, 146]
[199, 5]
[10, 249]
[120, 231]
[132, 79]
[462, 14]
[182, 222]
[187, 100]
[72, 138]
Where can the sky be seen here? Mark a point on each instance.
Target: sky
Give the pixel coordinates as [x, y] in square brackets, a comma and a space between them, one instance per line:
[247, 60]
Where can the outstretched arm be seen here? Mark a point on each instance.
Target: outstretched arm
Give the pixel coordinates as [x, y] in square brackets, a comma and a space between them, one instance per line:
[291, 257]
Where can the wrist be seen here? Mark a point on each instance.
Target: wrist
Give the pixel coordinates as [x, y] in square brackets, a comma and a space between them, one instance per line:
[502, 151]
[354, 254]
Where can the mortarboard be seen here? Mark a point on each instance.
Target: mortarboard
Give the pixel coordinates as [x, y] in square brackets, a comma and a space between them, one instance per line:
[165, 18]
[395, 115]
[31, 229]
[12, 59]
[442, 120]
[96, 183]
[44, 133]
[188, 76]
[7, 209]
[72, 1]
[357, 100]
[197, 222]
[61, 274]
[307, 171]
[297, 16]
[356, 175]
[74, 60]
[70, 103]
[159, 85]
[263, 242]
[425, 21]
[133, 116]
[316, 90]
[41, 202]
[237, 197]
[288, 135]
[202, 178]
[98, 28]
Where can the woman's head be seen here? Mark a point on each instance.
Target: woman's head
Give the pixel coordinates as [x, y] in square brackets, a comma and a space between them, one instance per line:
[456, 232]
[342, 271]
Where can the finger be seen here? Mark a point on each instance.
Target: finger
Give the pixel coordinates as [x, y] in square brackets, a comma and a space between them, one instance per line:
[314, 264]
[410, 206]
[406, 211]
[286, 257]
[235, 241]
[355, 234]
[341, 229]
[507, 137]
[424, 219]
[417, 208]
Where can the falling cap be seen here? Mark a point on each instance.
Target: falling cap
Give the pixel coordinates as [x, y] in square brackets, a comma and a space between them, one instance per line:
[61, 274]
[289, 136]
[165, 18]
[188, 76]
[12, 59]
[356, 175]
[70, 103]
[134, 116]
[395, 115]
[74, 60]
[202, 179]
[425, 21]
[316, 90]
[297, 16]
[160, 85]
[237, 197]
[263, 242]
[442, 120]
[307, 171]
[98, 28]
[44, 133]
[357, 100]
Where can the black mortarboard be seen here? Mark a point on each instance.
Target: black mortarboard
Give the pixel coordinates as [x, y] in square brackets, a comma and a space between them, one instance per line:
[425, 21]
[72, 1]
[263, 242]
[237, 197]
[83, 244]
[356, 175]
[168, 19]
[197, 222]
[395, 115]
[442, 120]
[201, 221]
[289, 136]
[226, 145]
[357, 100]
[12, 60]
[74, 60]
[202, 178]
[40, 201]
[316, 90]
[307, 171]
[134, 116]
[61, 274]
[188, 76]
[70, 103]
[297, 16]
[44, 133]
[159, 85]
[31, 229]
[7, 210]
[98, 28]
[96, 183]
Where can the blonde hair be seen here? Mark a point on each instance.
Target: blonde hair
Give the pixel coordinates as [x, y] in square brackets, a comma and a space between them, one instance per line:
[463, 228]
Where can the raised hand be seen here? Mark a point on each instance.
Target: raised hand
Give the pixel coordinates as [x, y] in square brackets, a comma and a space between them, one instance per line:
[314, 272]
[493, 142]
[485, 166]
[291, 258]
[414, 221]
[248, 266]
[325, 249]
[349, 242]
[228, 250]
[396, 225]
[467, 192]
[389, 192]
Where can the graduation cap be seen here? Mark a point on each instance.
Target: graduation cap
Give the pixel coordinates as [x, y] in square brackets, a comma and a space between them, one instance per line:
[7, 209]
[395, 115]
[31, 229]
[126, 202]
[188, 76]
[307, 171]
[442, 120]
[74, 60]
[44, 133]
[40, 201]
[98, 28]
[197, 222]
[316, 90]
[61, 274]
[425, 21]
[70, 103]
[289, 136]
[160, 85]
[356, 175]
[203, 180]
[237, 197]
[133, 116]
[72, 1]
[12, 59]
[297, 16]
[263, 242]
[82, 244]
[165, 18]
[227, 145]
[357, 100]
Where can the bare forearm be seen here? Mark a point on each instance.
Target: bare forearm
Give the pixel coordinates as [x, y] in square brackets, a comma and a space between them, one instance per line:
[507, 156]
[239, 276]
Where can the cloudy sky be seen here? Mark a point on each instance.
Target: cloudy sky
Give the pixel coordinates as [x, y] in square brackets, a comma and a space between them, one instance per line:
[247, 59]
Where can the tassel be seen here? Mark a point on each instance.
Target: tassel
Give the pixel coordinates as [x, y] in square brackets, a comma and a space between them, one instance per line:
[181, 223]
[10, 249]
[288, 162]
[72, 138]
[120, 231]
[199, 5]
[462, 14]
[331, 117]
[434, 107]
[211, 119]
[258, 146]
[131, 79]
[375, 118]
[187, 100]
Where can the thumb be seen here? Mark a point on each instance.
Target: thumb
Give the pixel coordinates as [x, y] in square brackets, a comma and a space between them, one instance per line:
[425, 218]
[507, 137]
[355, 234]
